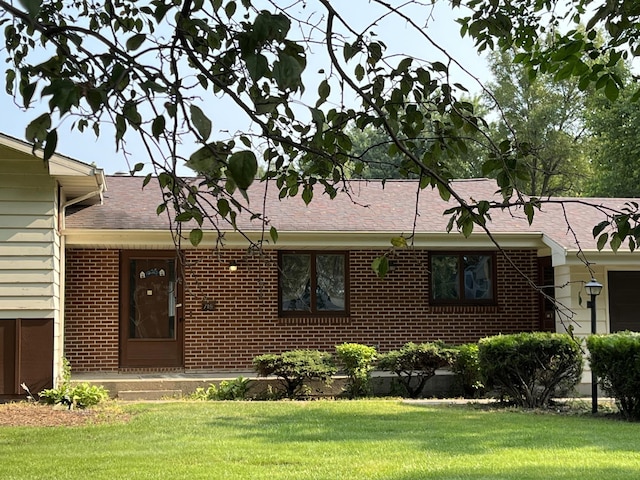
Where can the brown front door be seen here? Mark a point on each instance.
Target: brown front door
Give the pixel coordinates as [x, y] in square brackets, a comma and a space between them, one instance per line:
[151, 326]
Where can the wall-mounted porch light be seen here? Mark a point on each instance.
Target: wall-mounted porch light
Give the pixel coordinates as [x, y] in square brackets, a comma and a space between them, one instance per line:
[593, 289]
[233, 266]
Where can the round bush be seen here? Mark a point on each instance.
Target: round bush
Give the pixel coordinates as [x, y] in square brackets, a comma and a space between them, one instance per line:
[615, 360]
[531, 368]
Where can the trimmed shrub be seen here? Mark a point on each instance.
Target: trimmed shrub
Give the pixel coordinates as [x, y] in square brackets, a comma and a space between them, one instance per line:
[415, 364]
[530, 368]
[615, 360]
[466, 367]
[296, 367]
[357, 362]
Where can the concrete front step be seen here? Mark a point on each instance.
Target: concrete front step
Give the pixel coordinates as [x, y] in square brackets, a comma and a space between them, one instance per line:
[149, 386]
[131, 395]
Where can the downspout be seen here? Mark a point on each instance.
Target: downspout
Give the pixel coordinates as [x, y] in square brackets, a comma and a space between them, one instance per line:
[57, 367]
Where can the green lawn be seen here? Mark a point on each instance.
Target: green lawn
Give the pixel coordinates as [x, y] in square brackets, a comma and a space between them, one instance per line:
[376, 439]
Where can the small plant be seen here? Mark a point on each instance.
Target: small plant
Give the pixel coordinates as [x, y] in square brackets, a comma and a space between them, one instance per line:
[531, 368]
[415, 364]
[235, 389]
[201, 393]
[295, 368]
[80, 396]
[615, 360]
[466, 367]
[357, 362]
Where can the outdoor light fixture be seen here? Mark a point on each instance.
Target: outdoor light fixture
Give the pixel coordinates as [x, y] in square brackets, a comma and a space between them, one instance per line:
[593, 288]
[233, 266]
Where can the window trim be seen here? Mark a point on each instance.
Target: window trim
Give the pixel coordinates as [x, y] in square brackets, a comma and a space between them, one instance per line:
[314, 313]
[464, 301]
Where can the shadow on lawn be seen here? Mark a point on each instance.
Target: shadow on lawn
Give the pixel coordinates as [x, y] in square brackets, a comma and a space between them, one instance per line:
[465, 434]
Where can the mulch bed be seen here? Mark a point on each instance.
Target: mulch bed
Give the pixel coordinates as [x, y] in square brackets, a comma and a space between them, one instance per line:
[32, 414]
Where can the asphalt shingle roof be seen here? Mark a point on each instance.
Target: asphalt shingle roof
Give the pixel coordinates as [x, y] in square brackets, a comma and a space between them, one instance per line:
[371, 206]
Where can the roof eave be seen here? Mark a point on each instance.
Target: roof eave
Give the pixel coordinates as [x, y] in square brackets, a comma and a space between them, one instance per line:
[89, 238]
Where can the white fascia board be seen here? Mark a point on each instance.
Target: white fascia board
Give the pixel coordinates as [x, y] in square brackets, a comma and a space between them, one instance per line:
[572, 256]
[59, 165]
[621, 258]
[300, 240]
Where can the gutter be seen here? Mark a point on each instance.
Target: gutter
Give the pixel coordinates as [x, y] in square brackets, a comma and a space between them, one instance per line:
[99, 192]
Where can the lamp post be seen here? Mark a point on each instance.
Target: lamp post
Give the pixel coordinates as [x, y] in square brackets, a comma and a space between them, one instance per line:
[593, 289]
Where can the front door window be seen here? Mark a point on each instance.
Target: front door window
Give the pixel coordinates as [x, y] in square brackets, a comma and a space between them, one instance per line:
[152, 313]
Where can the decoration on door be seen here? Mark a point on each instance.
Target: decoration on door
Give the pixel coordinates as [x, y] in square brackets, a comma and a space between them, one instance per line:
[154, 272]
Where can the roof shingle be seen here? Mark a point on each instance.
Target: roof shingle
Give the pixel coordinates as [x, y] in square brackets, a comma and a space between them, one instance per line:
[370, 206]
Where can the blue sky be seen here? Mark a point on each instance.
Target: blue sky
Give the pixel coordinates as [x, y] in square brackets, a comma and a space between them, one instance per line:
[439, 25]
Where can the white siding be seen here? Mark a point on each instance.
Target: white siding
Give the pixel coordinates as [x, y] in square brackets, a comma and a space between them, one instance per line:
[29, 243]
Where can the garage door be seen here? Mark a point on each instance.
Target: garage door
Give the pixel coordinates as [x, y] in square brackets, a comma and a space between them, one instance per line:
[26, 356]
[624, 301]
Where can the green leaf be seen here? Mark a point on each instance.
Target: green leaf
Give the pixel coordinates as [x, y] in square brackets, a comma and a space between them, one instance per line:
[158, 125]
[195, 237]
[286, 71]
[616, 241]
[184, 217]
[208, 160]
[602, 241]
[467, 227]
[307, 194]
[257, 66]
[273, 233]
[32, 7]
[611, 89]
[324, 89]
[223, 207]
[528, 210]
[230, 9]
[10, 78]
[598, 229]
[51, 144]
[134, 42]
[243, 167]
[27, 94]
[36, 131]
[380, 266]
[399, 242]
[201, 122]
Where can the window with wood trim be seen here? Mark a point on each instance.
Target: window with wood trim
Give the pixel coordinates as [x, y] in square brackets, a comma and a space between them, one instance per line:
[462, 278]
[313, 283]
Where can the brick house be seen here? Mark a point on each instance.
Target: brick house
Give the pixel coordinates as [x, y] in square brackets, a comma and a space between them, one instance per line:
[116, 295]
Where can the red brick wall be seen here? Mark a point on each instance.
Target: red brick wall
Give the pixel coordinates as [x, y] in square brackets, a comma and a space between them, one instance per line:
[385, 313]
[91, 310]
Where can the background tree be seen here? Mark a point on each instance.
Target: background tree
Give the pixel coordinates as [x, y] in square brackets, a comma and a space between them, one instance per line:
[547, 117]
[155, 70]
[614, 146]
[376, 156]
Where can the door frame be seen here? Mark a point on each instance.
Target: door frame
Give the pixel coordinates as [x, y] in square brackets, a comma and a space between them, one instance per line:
[151, 346]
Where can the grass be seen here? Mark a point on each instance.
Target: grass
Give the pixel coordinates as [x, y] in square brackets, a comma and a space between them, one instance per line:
[369, 439]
